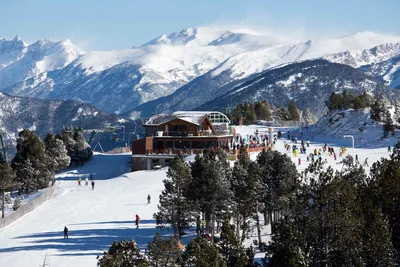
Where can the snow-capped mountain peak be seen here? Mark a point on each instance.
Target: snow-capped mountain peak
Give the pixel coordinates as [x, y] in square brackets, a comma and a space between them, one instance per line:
[19, 61]
[358, 58]
[175, 38]
[120, 80]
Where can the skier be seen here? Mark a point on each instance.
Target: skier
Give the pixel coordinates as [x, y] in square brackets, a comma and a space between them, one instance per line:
[148, 199]
[299, 161]
[92, 185]
[137, 221]
[79, 181]
[334, 156]
[65, 232]
[389, 149]
[356, 158]
[308, 143]
[86, 181]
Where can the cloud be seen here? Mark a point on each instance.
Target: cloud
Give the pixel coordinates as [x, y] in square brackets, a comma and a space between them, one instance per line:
[281, 30]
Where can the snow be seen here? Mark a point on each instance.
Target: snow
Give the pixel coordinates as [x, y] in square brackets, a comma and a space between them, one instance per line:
[258, 59]
[96, 218]
[290, 80]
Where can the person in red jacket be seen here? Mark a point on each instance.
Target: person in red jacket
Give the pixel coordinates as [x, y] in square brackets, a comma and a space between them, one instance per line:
[137, 221]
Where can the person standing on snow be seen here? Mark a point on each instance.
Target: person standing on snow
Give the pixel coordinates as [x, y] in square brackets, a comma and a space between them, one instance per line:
[137, 221]
[79, 181]
[148, 199]
[92, 185]
[65, 232]
[86, 181]
[299, 161]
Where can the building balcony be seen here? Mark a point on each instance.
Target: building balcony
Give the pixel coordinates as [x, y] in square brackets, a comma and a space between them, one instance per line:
[205, 133]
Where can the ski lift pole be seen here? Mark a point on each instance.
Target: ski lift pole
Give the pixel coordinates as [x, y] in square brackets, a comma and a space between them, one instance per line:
[3, 147]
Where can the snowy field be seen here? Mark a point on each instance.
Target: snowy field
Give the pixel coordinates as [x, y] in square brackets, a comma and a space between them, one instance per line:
[96, 218]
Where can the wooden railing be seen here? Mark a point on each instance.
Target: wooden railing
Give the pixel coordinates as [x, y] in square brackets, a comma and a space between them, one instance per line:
[199, 151]
[190, 134]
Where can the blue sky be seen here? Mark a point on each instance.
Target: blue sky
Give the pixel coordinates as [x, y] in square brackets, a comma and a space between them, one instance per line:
[116, 24]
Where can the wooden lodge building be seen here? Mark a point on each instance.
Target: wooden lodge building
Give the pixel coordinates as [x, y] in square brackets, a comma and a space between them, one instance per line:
[182, 132]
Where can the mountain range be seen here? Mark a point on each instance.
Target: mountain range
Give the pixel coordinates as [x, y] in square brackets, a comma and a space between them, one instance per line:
[47, 116]
[199, 68]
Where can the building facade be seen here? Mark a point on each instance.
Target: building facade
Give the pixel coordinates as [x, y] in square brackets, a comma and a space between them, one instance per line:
[182, 132]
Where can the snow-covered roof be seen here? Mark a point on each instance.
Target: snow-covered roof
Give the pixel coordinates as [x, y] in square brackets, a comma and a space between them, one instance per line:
[195, 117]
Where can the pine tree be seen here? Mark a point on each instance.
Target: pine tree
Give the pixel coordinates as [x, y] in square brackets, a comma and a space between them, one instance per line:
[293, 111]
[57, 152]
[78, 150]
[385, 179]
[279, 179]
[245, 185]
[284, 250]
[346, 104]
[377, 110]
[377, 245]
[123, 254]
[388, 126]
[283, 113]
[30, 147]
[174, 208]
[263, 111]
[231, 247]
[211, 188]
[26, 176]
[335, 102]
[333, 223]
[7, 176]
[249, 114]
[397, 112]
[163, 252]
[200, 253]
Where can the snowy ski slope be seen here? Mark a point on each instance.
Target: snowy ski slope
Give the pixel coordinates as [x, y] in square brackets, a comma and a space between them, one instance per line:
[96, 218]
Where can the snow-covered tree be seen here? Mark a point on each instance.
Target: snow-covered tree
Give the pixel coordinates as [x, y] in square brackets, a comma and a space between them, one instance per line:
[39, 168]
[78, 150]
[57, 152]
[308, 117]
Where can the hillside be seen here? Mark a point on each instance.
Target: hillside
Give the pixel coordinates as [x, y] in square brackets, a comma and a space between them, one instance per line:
[45, 116]
[309, 83]
[367, 133]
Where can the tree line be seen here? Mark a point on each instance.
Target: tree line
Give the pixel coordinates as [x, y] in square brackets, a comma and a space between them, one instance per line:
[262, 110]
[379, 108]
[35, 163]
[319, 217]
